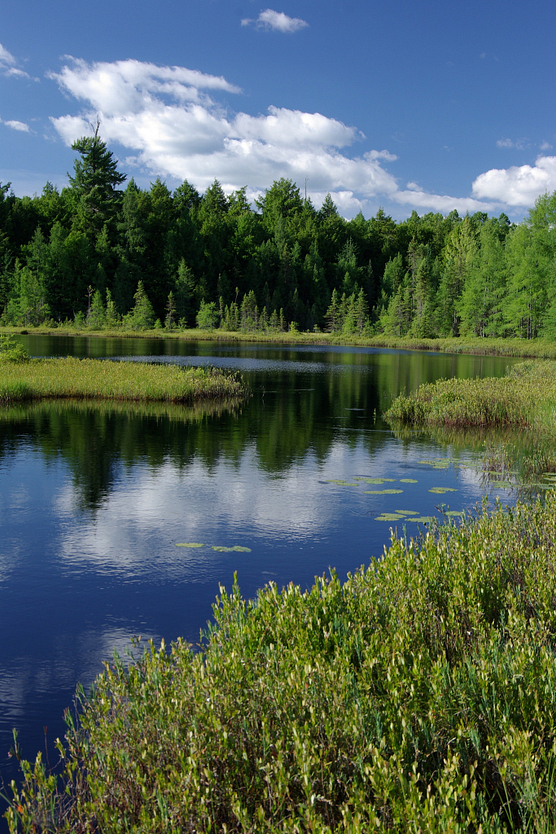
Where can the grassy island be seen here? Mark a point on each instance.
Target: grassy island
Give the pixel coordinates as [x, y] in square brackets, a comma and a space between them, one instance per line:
[524, 398]
[106, 380]
[420, 695]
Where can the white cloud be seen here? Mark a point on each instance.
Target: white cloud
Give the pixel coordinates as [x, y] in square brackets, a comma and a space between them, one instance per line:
[419, 199]
[8, 64]
[518, 185]
[6, 58]
[166, 119]
[278, 21]
[517, 144]
[15, 125]
[171, 127]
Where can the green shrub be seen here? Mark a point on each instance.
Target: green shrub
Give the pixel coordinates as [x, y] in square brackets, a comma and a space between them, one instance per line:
[525, 397]
[11, 350]
[420, 695]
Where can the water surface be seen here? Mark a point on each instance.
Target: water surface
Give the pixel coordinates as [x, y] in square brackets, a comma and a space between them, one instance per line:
[98, 503]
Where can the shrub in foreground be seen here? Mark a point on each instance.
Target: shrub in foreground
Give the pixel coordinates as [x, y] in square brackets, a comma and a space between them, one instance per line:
[420, 695]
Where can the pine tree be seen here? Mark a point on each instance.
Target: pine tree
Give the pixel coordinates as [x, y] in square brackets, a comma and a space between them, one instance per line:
[95, 182]
[141, 317]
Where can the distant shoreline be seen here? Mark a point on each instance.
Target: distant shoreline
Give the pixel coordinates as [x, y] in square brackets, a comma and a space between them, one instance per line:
[525, 348]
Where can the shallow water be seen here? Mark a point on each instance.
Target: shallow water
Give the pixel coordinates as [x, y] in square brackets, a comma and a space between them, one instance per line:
[98, 503]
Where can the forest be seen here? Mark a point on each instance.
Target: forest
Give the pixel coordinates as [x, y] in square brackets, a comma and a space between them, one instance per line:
[100, 255]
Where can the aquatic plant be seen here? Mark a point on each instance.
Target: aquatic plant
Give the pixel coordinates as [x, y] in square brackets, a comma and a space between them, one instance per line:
[418, 695]
[102, 379]
[524, 398]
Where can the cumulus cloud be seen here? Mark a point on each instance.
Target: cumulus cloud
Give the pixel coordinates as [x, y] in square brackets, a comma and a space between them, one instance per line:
[419, 199]
[517, 185]
[172, 127]
[173, 123]
[15, 125]
[6, 58]
[277, 21]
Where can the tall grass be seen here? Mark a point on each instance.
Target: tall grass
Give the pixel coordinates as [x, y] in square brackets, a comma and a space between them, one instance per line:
[101, 379]
[525, 397]
[420, 695]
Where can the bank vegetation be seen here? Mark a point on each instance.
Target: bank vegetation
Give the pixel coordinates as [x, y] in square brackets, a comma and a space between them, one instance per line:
[524, 398]
[420, 695]
[22, 378]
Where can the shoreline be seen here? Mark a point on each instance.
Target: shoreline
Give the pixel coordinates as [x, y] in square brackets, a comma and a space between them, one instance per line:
[526, 349]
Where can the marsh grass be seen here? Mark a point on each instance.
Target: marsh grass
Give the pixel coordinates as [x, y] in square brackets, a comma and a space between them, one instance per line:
[102, 379]
[420, 695]
[524, 398]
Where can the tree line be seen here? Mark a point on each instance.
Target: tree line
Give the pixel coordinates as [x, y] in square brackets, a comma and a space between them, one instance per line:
[99, 255]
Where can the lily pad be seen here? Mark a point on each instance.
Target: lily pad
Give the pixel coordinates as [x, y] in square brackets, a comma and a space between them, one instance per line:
[454, 513]
[189, 544]
[375, 480]
[408, 481]
[383, 491]
[340, 482]
[441, 490]
[237, 548]
[422, 519]
[407, 512]
[502, 484]
[390, 517]
[439, 463]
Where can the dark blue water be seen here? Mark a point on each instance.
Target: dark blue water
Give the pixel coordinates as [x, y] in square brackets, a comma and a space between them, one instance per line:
[97, 504]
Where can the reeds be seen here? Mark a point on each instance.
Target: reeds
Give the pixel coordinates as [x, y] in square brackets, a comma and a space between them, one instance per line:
[102, 379]
[524, 398]
[420, 695]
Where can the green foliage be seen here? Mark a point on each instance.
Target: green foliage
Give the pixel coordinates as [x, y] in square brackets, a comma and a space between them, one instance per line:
[97, 379]
[12, 350]
[419, 695]
[427, 277]
[207, 317]
[96, 316]
[94, 181]
[525, 398]
[141, 317]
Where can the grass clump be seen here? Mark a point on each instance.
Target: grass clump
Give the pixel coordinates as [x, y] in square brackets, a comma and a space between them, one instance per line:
[420, 695]
[524, 398]
[105, 380]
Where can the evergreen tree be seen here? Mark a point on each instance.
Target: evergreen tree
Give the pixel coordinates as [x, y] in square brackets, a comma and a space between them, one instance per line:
[95, 182]
[459, 252]
[207, 317]
[141, 317]
[96, 316]
[480, 305]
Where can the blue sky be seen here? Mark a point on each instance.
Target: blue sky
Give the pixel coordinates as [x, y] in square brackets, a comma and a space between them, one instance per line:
[431, 106]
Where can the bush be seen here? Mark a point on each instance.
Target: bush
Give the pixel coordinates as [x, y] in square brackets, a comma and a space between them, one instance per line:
[418, 695]
[12, 350]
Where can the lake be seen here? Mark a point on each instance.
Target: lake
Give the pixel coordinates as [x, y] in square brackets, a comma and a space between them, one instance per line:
[118, 521]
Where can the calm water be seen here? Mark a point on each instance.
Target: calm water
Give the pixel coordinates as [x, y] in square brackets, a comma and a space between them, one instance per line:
[94, 501]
